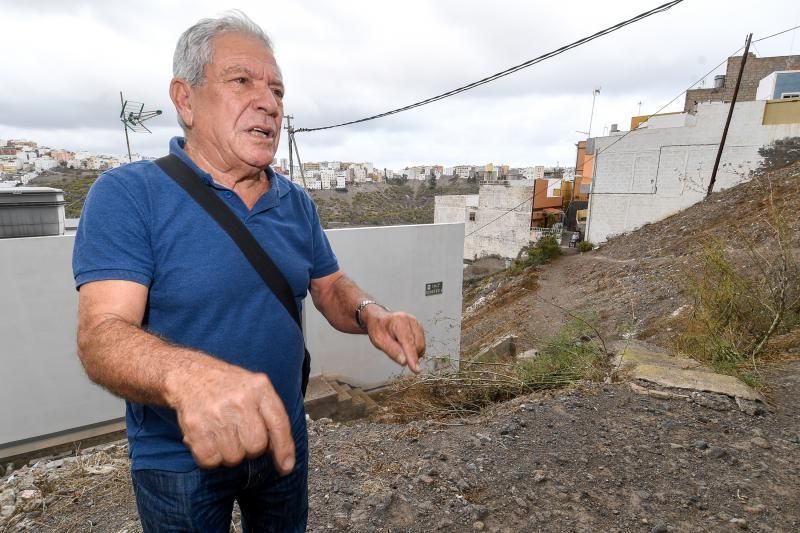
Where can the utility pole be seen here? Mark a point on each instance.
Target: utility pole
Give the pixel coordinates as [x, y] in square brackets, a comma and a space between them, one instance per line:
[289, 129]
[591, 116]
[125, 127]
[730, 115]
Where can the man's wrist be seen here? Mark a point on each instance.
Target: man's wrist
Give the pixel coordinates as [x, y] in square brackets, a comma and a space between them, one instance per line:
[360, 314]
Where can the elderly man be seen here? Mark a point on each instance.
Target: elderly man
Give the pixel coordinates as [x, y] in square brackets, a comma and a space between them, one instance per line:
[173, 318]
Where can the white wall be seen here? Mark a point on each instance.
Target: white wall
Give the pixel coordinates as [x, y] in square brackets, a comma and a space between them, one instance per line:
[43, 389]
[653, 173]
[393, 264]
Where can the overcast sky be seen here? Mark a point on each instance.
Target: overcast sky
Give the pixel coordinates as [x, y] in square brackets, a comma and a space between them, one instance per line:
[64, 63]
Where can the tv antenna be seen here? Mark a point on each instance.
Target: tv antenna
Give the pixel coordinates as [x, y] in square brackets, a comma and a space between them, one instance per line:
[133, 115]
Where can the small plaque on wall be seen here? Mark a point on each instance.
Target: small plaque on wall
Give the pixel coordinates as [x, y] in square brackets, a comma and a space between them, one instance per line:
[433, 288]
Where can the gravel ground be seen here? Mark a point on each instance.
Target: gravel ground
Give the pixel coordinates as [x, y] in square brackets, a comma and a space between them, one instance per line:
[593, 458]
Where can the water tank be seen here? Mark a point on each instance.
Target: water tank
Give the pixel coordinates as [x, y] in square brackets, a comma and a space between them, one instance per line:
[719, 81]
[31, 212]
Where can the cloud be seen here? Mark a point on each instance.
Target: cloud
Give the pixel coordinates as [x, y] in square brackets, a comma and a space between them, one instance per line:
[344, 61]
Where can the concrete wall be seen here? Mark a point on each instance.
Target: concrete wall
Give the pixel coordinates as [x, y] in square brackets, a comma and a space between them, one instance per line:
[655, 172]
[43, 389]
[755, 70]
[393, 264]
[502, 218]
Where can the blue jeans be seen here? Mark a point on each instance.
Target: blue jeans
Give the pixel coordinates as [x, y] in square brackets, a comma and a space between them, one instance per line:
[202, 500]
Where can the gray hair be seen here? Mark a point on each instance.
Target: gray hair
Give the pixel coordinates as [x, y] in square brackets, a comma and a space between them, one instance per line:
[194, 50]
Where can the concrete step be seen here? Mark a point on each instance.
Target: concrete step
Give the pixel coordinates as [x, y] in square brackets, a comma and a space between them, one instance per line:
[358, 408]
[369, 404]
[326, 397]
[321, 398]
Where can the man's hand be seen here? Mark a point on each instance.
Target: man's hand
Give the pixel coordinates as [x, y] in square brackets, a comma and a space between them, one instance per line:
[397, 334]
[229, 414]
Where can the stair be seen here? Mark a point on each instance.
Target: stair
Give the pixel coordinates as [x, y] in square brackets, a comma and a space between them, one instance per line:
[328, 398]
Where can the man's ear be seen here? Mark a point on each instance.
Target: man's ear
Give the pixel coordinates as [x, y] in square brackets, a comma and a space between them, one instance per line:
[181, 94]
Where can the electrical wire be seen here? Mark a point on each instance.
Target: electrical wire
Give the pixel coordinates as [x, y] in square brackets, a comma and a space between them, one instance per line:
[508, 71]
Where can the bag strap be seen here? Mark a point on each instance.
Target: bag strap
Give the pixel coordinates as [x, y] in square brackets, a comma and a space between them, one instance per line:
[233, 226]
[184, 176]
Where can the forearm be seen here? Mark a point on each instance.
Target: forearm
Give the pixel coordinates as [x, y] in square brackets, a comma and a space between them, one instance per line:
[338, 304]
[138, 365]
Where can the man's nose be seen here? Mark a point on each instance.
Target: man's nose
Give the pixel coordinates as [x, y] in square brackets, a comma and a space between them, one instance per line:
[265, 100]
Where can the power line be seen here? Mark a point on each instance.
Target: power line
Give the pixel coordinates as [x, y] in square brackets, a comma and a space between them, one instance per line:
[775, 34]
[508, 71]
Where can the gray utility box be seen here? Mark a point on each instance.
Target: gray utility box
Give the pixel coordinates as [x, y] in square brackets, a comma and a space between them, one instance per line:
[31, 212]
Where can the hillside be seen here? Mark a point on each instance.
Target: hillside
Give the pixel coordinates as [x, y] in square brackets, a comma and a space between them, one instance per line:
[366, 204]
[638, 285]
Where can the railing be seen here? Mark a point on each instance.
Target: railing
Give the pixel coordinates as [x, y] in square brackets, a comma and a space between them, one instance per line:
[538, 233]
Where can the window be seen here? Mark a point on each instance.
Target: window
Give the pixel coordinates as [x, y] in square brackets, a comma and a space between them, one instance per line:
[790, 95]
[472, 216]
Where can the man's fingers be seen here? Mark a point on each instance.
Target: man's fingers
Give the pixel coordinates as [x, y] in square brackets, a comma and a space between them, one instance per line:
[254, 438]
[281, 443]
[406, 338]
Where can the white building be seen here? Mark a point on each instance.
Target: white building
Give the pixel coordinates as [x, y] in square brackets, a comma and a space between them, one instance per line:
[497, 220]
[533, 173]
[462, 171]
[44, 163]
[665, 165]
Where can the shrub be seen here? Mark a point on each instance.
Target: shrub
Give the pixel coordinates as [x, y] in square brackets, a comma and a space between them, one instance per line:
[585, 246]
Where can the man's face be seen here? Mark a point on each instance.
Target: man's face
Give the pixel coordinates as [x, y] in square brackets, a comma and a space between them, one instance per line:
[238, 111]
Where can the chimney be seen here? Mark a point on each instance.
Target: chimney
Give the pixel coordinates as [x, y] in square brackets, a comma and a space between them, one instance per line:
[614, 128]
[719, 81]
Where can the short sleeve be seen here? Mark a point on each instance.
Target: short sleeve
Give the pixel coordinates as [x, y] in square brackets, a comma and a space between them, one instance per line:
[325, 262]
[113, 237]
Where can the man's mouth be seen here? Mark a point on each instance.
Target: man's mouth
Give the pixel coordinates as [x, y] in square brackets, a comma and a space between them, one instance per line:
[265, 133]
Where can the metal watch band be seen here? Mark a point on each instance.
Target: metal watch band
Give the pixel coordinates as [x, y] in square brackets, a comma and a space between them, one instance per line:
[361, 307]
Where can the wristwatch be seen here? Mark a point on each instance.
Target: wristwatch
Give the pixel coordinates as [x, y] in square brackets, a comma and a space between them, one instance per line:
[361, 307]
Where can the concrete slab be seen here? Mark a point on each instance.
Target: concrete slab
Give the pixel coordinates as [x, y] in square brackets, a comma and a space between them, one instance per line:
[681, 373]
[321, 398]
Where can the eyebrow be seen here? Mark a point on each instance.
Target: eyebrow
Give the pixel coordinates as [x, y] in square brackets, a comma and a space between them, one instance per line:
[237, 69]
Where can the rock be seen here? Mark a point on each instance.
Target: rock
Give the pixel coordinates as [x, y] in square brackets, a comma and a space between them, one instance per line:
[52, 465]
[749, 407]
[478, 526]
[101, 470]
[718, 402]
[539, 476]
[7, 496]
[462, 485]
[426, 479]
[2, 470]
[445, 523]
[479, 512]
[761, 442]
[29, 499]
[659, 528]
[715, 452]
[741, 523]
[700, 444]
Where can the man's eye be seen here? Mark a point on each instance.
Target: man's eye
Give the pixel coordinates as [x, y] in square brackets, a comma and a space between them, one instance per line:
[278, 93]
[240, 81]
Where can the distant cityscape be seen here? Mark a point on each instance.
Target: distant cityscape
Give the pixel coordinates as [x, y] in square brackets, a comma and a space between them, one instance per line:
[23, 160]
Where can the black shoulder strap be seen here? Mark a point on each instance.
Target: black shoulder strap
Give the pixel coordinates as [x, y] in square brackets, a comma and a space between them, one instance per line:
[179, 171]
[233, 226]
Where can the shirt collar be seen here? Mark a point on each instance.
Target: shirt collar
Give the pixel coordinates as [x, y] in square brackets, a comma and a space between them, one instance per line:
[176, 145]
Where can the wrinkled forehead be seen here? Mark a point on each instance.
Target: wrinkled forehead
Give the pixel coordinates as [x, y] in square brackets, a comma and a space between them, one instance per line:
[237, 52]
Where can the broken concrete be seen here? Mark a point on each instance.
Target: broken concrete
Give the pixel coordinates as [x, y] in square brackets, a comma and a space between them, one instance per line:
[680, 373]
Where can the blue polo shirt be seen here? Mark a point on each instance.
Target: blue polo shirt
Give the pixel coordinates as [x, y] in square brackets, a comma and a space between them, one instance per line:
[139, 225]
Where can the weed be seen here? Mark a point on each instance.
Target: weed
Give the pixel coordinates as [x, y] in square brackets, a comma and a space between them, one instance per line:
[585, 246]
